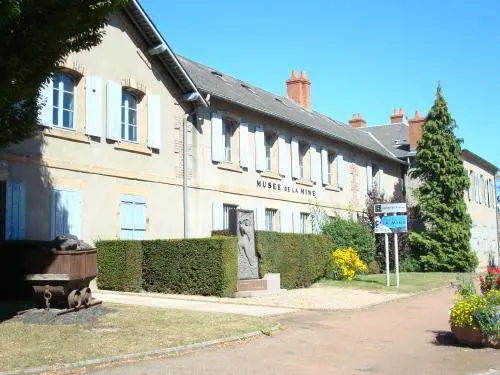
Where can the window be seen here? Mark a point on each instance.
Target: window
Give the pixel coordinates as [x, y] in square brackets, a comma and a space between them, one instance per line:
[133, 217]
[227, 208]
[270, 219]
[303, 222]
[268, 143]
[12, 210]
[227, 132]
[66, 212]
[302, 154]
[471, 180]
[63, 101]
[129, 116]
[332, 177]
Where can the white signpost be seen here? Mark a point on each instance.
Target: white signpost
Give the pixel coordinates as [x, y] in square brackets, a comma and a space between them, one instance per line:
[395, 223]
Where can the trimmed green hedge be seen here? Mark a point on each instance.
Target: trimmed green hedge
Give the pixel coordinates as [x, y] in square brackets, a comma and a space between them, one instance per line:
[206, 266]
[301, 259]
[120, 265]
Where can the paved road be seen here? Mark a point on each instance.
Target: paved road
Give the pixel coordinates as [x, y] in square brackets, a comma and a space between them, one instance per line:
[394, 338]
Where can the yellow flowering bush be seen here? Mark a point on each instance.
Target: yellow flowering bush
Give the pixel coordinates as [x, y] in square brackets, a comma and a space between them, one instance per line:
[345, 264]
[462, 312]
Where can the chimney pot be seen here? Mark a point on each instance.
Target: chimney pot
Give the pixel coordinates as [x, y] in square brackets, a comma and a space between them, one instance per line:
[416, 128]
[398, 117]
[357, 121]
[299, 89]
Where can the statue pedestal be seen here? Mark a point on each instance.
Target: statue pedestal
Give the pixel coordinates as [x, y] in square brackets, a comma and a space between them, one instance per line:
[269, 284]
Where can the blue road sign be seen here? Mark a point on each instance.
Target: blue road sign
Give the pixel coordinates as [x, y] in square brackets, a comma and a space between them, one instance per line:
[396, 223]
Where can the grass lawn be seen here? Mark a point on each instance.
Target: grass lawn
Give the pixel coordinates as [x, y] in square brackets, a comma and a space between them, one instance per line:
[129, 329]
[409, 282]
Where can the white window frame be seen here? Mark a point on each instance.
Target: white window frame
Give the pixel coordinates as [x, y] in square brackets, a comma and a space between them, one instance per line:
[270, 219]
[226, 208]
[124, 117]
[227, 137]
[60, 91]
[268, 147]
[304, 216]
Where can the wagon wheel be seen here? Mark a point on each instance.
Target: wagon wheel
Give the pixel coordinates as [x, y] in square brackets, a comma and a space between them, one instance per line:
[74, 299]
[85, 296]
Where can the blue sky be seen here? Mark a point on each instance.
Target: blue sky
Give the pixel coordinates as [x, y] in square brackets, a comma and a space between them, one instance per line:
[361, 56]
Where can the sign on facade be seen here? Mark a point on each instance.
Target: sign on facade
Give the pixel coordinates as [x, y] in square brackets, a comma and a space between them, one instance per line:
[390, 208]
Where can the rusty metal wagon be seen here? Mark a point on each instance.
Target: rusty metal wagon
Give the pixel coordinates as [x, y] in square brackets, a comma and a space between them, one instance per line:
[62, 276]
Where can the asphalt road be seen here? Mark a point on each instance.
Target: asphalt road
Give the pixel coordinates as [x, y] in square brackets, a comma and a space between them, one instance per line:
[407, 336]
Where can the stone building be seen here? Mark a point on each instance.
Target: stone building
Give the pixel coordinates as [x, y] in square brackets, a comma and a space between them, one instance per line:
[136, 142]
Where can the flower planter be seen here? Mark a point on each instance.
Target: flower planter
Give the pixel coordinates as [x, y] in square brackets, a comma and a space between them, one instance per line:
[473, 337]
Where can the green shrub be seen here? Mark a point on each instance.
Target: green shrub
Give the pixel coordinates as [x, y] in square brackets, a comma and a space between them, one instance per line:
[350, 233]
[374, 267]
[409, 264]
[206, 266]
[301, 259]
[120, 265]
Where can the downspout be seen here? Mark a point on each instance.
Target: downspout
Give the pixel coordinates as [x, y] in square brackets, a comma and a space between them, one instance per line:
[185, 171]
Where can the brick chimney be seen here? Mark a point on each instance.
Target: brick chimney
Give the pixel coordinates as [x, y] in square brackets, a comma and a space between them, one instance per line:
[299, 89]
[357, 121]
[398, 117]
[416, 126]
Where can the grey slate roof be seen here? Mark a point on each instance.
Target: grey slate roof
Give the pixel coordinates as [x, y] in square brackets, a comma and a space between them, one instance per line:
[394, 137]
[153, 39]
[227, 88]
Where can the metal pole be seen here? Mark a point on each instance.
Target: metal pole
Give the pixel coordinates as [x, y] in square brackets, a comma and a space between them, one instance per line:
[387, 265]
[396, 259]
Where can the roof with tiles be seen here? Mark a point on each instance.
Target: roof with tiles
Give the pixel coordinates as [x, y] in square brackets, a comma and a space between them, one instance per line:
[225, 87]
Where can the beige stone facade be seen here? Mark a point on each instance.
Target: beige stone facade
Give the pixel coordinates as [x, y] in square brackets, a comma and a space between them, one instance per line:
[84, 181]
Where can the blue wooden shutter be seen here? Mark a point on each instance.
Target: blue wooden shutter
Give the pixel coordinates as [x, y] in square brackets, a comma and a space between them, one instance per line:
[340, 171]
[282, 155]
[315, 223]
[324, 167]
[369, 176]
[46, 100]
[381, 181]
[139, 218]
[154, 121]
[15, 210]
[296, 222]
[217, 216]
[127, 217]
[314, 163]
[217, 141]
[113, 111]
[284, 225]
[74, 207]
[260, 150]
[295, 158]
[93, 106]
[243, 145]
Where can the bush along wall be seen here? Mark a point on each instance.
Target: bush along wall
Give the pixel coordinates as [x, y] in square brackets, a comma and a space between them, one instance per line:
[301, 259]
[350, 233]
[119, 265]
[206, 266]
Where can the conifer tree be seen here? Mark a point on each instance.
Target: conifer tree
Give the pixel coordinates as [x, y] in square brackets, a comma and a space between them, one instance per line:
[444, 244]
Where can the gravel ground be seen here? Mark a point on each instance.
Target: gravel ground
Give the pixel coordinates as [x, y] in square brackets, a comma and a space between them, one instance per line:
[87, 316]
[317, 298]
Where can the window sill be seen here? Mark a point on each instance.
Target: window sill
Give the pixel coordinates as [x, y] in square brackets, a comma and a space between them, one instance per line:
[271, 175]
[69, 135]
[302, 181]
[332, 188]
[230, 167]
[132, 147]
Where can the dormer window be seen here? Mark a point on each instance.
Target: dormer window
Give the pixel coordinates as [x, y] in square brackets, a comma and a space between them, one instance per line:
[63, 101]
[129, 116]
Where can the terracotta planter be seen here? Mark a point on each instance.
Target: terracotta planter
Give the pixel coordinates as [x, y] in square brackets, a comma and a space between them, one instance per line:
[473, 337]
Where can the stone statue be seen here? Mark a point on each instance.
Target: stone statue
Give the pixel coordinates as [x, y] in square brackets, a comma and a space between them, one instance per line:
[247, 258]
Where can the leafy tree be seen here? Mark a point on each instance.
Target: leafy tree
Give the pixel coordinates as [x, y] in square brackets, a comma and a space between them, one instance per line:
[35, 38]
[444, 244]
